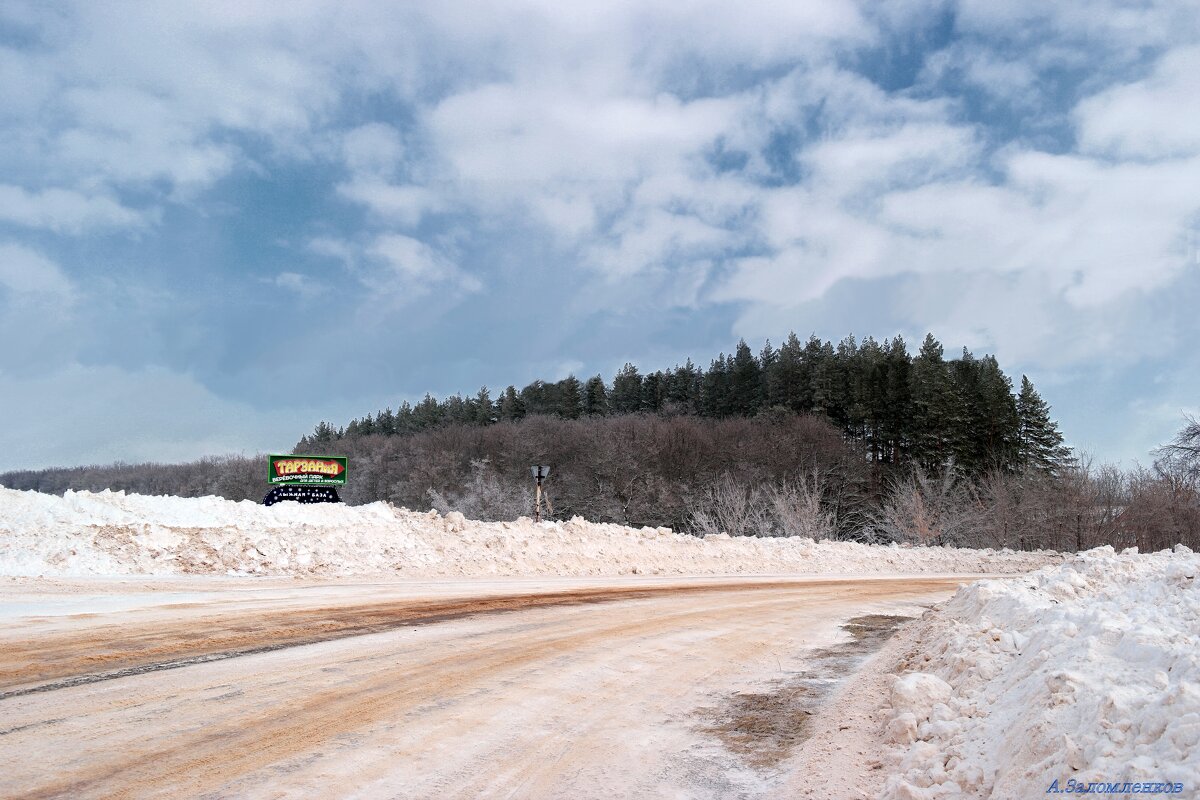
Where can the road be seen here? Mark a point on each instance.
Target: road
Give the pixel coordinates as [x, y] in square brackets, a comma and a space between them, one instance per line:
[578, 688]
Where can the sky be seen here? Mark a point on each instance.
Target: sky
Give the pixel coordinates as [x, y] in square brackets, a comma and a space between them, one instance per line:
[223, 222]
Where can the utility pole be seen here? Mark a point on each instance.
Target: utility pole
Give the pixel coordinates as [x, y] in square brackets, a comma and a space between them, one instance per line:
[540, 473]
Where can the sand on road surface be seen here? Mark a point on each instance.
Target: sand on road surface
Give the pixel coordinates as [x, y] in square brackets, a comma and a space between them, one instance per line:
[216, 687]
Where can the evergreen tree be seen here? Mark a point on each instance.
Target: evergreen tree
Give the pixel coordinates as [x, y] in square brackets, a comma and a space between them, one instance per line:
[456, 410]
[595, 397]
[654, 391]
[428, 413]
[960, 419]
[485, 412]
[933, 407]
[715, 398]
[896, 425]
[540, 397]
[322, 433]
[745, 382]
[788, 380]
[926, 409]
[366, 425]
[869, 394]
[385, 423]
[626, 395]
[683, 388]
[995, 424]
[511, 405]
[570, 397]
[767, 360]
[823, 377]
[1039, 445]
[404, 419]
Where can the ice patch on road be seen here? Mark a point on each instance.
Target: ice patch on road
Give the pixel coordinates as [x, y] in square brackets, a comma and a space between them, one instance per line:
[113, 533]
[1088, 671]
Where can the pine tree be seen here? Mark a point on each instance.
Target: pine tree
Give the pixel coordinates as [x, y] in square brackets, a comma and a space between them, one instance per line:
[745, 382]
[683, 388]
[823, 376]
[626, 395]
[595, 397]
[933, 404]
[768, 358]
[428, 413]
[511, 406]
[654, 391]
[996, 423]
[787, 382]
[322, 433]
[870, 395]
[570, 397]
[1040, 445]
[897, 423]
[404, 419]
[715, 400]
[456, 410]
[366, 426]
[960, 416]
[485, 412]
[540, 397]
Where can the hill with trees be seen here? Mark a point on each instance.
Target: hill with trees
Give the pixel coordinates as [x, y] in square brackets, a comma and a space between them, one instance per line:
[852, 441]
[897, 408]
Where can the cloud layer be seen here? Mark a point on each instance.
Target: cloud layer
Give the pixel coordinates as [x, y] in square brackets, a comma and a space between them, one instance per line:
[466, 194]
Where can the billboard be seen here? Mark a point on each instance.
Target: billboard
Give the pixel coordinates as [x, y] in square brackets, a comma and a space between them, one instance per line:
[307, 470]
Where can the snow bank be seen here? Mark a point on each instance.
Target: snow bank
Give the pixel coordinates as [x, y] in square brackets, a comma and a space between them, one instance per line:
[107, 533]
[1086, 672]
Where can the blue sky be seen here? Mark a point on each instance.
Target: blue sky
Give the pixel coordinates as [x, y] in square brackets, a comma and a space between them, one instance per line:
[223, 222]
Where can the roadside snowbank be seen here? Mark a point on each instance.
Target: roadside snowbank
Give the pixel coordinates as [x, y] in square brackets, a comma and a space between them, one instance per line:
[1086, 672]
[107, 533]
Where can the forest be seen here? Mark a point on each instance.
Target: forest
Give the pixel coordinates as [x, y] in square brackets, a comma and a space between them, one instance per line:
[899, 409]
[855, 441]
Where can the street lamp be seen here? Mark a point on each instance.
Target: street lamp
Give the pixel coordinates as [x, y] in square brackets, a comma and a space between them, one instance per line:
[540, 472]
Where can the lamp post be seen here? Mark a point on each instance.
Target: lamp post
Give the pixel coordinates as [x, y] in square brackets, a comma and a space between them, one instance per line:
[540, 472]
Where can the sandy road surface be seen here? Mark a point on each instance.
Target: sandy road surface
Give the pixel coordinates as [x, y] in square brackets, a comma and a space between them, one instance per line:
[282, 689]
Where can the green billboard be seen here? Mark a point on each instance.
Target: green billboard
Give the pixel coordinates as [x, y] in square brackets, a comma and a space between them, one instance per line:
[307, 470]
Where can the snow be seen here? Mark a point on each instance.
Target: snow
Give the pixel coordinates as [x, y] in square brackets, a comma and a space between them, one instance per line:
[113, 533]
[1088, 672]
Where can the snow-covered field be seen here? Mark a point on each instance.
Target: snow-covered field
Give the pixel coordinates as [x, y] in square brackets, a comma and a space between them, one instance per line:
[1084, 674]
[106, 533]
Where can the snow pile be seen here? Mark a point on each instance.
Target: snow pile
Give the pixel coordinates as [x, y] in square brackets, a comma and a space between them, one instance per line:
[1086, 672]
[106, 533]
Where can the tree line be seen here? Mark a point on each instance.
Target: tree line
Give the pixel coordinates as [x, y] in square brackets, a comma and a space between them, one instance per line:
[775, 474]
[856, 441]
[899, 409]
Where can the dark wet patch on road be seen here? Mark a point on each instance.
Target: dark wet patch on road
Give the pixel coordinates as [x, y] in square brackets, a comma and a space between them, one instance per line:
[762, 728]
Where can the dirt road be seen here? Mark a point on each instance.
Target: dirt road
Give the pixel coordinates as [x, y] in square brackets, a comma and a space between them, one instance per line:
[513, 689]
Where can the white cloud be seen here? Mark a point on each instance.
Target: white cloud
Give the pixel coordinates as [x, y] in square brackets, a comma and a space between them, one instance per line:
[65, 211]
[25, 271]
[1158, 117]
[590, 129]
[403, 205]
[521, 135]
[302, 285]
[414, 267]
[332, 248]
[372, 149]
